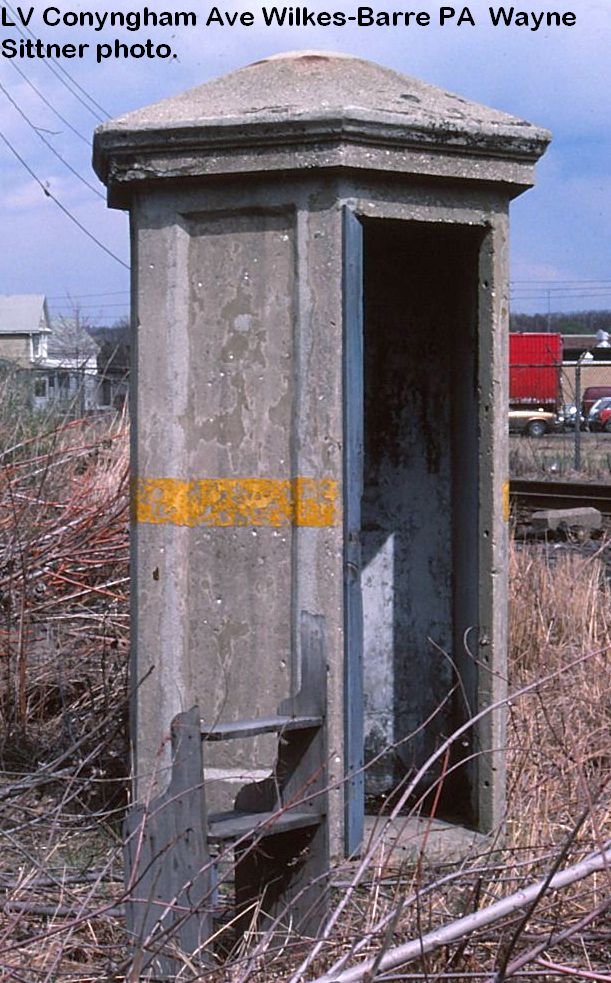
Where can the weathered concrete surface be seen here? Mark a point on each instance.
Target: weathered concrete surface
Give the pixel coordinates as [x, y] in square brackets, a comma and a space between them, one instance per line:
[301, 85]
[240, 399]
[408, 840]
[236, 503]
[315, 109]
[552, 520]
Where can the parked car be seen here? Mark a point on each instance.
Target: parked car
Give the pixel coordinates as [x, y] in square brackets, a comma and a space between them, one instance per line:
[534, 423]
[599, 417]
[568, 415]
[591, 395]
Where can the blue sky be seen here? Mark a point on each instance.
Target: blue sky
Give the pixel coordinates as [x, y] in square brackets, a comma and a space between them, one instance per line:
[559, 78]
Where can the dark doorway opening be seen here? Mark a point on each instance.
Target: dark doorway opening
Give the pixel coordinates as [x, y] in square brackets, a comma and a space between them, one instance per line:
[419, 510]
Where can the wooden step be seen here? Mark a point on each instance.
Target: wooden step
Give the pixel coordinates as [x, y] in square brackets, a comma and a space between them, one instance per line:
[233, 825]
[231, 730]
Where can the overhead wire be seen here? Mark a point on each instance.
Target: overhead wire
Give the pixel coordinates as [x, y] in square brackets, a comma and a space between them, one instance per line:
[551, 283]
[584, 295]
[559, 292]
[49, 194]
[93, 315]
[104, 293]
[518, 288]
[38, 130]
[102, 312]
[575, 288]
[48, 143]
[59, 71]
[47, 102]
[74, 302]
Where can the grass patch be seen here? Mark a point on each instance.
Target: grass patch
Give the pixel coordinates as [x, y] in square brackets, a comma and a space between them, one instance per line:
[554, 457]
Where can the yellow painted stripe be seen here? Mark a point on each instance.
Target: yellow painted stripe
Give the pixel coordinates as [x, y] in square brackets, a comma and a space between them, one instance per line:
[236, 501]
[506, 505]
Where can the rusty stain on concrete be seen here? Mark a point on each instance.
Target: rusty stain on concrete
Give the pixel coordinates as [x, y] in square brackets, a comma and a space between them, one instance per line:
[236, 501]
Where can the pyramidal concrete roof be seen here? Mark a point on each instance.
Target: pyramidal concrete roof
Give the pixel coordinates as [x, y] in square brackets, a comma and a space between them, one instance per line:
[314, 97]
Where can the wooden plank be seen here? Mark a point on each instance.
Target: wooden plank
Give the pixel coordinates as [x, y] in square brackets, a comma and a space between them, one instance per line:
[233, 825]
[167, 862]
[231, 730]
[287, 874]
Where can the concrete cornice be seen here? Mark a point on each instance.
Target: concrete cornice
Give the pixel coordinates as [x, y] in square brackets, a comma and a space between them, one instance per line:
[315, 111]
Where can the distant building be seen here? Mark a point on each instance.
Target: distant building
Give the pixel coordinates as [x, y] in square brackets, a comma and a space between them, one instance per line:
[60, 354]
[114, 366]
[68, 375]
[595, 371]
[24, 329]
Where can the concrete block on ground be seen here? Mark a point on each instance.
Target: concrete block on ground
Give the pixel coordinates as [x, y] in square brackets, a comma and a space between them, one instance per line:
[407, 839]
[551, 520]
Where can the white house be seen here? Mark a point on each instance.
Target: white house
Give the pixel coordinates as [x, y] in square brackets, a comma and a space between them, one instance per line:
[60, 353]
[69, 372]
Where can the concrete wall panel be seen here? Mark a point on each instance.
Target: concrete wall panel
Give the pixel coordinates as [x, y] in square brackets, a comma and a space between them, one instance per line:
[237, 455]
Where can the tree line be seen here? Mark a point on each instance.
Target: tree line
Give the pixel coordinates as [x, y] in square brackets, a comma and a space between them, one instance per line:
[574, 322]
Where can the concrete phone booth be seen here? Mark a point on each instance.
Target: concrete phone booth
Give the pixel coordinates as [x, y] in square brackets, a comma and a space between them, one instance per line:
[319, 255]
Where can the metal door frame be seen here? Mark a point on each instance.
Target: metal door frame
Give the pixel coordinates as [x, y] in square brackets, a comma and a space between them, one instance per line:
[352, 300]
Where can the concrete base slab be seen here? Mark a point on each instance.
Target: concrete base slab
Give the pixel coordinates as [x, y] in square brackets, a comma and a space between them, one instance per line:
[406, 839]
[551, 520]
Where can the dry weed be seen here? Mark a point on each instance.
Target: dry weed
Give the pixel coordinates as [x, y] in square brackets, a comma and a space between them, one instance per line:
[553, 457]
[560, 606]
[63, 640]
[63, 647]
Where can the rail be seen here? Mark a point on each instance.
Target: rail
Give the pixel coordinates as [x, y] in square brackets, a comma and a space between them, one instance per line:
[527, 496]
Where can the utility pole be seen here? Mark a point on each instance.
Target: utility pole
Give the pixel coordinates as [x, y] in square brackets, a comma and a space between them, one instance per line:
[584, 357]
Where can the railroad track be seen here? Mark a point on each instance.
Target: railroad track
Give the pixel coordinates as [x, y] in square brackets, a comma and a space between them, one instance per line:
[528, 496]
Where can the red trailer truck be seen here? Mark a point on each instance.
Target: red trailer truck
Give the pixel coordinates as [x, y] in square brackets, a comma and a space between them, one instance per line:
[535, 391]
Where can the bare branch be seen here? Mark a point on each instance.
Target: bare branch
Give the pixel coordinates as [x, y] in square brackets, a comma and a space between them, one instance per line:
[403, 954]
